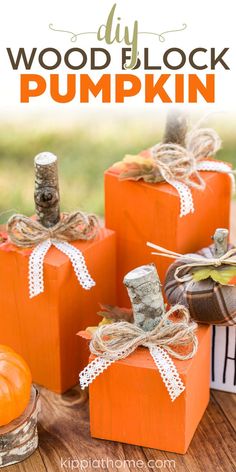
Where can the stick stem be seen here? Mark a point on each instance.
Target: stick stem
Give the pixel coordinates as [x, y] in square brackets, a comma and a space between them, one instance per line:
[176, 127]
[144, 289]
[221, 241]
[46, 195]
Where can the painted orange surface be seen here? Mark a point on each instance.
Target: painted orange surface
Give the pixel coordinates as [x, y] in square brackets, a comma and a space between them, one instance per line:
[141, 212]
[15, 385]
[43, 329]
[129, 402]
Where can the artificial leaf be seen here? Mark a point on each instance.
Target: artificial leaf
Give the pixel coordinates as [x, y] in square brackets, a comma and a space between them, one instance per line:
[225, 275]
[201, 274]
[3, 237]
[232, 281]
[114, 313]
[7, 246]
[91, 329]
[84, 334]
[135, 167]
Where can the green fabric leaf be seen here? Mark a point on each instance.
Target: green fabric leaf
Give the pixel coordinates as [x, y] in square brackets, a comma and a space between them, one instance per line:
[201, 274]
[222, 275]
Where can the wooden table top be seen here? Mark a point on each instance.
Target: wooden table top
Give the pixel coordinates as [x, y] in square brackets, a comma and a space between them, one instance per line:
[64, 437]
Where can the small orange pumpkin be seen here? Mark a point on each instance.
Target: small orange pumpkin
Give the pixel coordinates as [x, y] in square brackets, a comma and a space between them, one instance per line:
[15, 385]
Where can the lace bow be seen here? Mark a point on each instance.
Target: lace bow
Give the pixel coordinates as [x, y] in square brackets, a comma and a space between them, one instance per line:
[25, 232]
[116, 341]
[179, 166]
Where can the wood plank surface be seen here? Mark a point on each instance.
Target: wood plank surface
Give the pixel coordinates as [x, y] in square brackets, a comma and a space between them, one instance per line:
[65, 442]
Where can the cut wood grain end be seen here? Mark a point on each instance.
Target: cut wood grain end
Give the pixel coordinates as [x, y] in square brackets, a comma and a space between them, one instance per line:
[19, 439]
[144, 289]
[221, 241]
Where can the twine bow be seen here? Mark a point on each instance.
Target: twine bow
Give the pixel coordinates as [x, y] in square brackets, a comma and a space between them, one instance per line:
[179, 166]
[117, 341]
[194, 261]
[175, 162]
[25, 232]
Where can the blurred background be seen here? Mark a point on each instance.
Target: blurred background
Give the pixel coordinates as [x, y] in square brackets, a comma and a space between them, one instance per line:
[86, 145]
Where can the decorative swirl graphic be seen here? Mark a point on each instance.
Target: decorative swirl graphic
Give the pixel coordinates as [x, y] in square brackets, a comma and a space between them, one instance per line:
[161, 36]
[74, 36]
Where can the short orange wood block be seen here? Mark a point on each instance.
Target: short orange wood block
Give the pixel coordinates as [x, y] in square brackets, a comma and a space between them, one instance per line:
[43, 329]
[141, 212]
[129, 402]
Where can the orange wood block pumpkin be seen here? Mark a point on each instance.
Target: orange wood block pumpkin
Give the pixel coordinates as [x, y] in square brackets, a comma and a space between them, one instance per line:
[129, 402]
[141, 212]
[15, 385]
[43, 329]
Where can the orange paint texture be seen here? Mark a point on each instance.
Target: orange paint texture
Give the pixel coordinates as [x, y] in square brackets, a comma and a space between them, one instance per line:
[129, 402]
[43, 329]
[141, 212]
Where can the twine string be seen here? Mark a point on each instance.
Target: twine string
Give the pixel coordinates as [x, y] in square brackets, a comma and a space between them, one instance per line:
[25, 232]
[174, 162]
[118, 340]
[194, 261]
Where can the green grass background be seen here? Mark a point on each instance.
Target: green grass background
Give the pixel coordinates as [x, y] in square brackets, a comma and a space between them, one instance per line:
[85, 147]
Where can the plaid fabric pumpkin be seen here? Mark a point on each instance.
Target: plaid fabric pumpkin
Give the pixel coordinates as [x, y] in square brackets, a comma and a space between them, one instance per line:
[208, 301]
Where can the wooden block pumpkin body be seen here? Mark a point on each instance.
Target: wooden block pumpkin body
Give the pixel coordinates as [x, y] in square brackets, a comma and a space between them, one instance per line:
[43, 329]
[129, 402]
[141, 212]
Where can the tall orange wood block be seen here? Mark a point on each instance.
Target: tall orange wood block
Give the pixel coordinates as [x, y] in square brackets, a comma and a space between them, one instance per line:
[141, 212]
[129, 402]
[43, 329]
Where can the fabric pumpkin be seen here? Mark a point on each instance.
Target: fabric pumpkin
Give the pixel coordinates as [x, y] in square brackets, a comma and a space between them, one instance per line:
[15, 385]
[208, 300]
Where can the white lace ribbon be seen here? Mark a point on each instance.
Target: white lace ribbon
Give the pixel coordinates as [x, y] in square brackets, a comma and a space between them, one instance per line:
[221, 167]
[163, 361]
[36, 261]
[185, 192]
[185, 195]
[168, 371]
